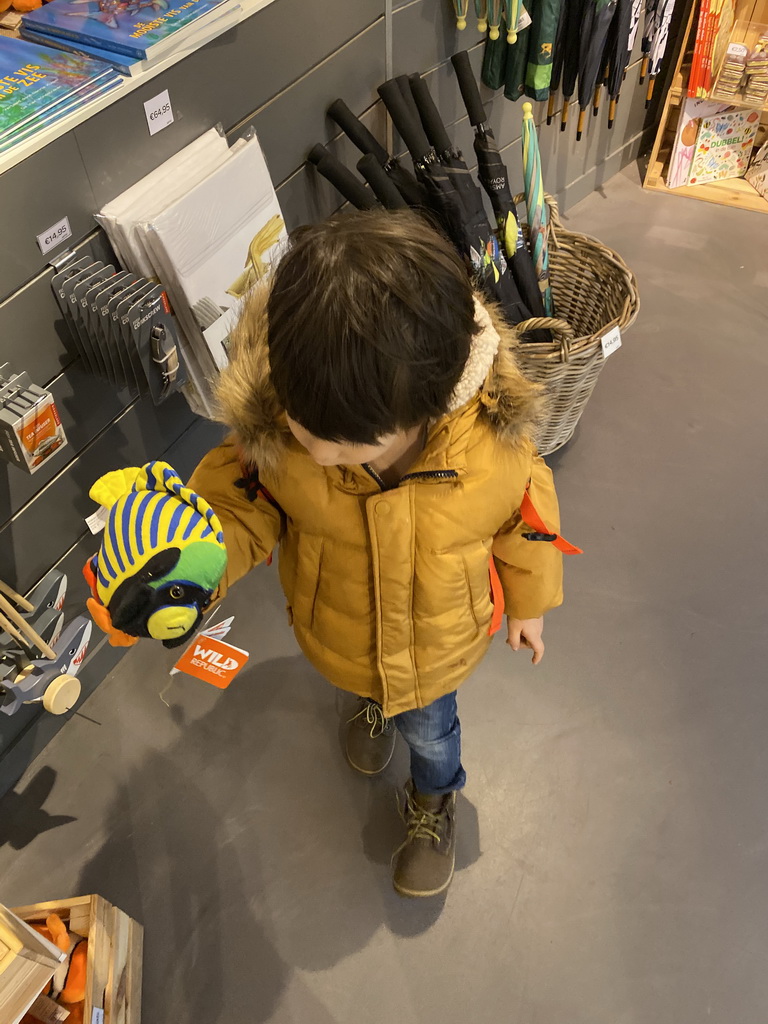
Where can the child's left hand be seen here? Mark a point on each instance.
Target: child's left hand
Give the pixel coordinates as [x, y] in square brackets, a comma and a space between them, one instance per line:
[526, 633]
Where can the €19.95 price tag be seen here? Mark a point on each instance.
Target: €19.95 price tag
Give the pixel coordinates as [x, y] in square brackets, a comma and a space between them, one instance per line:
[159, 112]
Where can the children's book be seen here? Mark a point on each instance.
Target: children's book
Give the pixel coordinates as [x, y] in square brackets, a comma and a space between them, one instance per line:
[136, 28]
[724, 146]
[37, 82]
[691, 114]
[757, 175]
[119, 61]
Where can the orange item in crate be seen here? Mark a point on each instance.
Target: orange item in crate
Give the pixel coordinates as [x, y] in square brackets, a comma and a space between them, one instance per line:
[67, 986]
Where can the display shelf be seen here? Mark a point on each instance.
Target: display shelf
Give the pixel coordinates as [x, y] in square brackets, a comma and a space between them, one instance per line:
[733, 191]
[37, 142]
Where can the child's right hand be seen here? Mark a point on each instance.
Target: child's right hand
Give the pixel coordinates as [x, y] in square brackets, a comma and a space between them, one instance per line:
[526, 633]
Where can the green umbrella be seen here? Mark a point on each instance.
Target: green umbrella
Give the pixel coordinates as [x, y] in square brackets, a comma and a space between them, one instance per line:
[545, 15]
[517, 65]
[538, 219]
[495, 62]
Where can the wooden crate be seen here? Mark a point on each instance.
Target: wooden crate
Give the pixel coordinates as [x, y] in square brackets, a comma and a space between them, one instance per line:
[731, 191]
[27, 964]
[115, 943]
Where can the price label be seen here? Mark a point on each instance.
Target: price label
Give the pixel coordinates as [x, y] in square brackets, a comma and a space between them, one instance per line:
[159, 112]
[611, 341]
[98, 520]
[97, 1015]
[54, 235]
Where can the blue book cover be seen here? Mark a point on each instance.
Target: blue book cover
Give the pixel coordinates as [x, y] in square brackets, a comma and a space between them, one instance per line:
[120, 61]
[35, 80]
[132, 27]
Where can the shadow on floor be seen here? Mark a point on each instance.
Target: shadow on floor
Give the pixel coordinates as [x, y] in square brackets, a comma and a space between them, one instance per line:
[247, 844]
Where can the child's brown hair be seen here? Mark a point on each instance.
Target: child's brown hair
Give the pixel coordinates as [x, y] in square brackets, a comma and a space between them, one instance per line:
[370, 321]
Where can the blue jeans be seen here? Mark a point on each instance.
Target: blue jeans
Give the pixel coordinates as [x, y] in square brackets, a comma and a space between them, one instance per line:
[433, 735]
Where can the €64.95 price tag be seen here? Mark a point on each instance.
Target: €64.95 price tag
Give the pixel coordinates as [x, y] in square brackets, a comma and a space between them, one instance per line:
[159, 112]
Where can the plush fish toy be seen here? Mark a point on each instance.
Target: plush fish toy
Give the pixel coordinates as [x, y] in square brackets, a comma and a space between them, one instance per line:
[161, 558]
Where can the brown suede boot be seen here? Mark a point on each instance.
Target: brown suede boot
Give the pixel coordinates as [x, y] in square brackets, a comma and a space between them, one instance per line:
[423, 865]
[370, 739]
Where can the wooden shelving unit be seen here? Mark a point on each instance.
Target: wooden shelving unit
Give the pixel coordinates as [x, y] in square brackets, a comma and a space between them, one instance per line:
[733, 191]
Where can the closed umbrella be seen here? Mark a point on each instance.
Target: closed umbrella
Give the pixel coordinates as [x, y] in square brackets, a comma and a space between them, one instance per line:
[616, 78]
[538, 218]
[648, 23]
[455, 199]
[559, 56]
[571, 57]
[494, 178]
[545, 16]
[342, 178]
[355, 130]
[512, 16]
[596, 22]
[660, 38]
[619, 55]
[381, 184]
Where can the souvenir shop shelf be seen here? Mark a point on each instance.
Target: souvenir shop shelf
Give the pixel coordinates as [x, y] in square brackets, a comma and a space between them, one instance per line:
[730, 191]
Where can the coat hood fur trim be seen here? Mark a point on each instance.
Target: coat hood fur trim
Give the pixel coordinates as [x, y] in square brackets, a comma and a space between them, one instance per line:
[248, 405]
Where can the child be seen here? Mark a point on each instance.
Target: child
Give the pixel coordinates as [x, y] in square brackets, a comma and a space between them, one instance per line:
[380, 437]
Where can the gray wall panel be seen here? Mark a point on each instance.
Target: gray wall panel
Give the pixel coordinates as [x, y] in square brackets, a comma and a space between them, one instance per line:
[424, 35]
[225, 81]
[86, 406]
[36, 194]
[306, 197]
[290, 124]
[33, 335]
[46, 528]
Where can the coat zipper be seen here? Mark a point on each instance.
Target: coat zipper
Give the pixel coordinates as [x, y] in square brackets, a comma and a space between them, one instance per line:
[433, 474]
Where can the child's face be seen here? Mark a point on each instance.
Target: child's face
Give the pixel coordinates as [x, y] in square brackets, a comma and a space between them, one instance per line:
[332, 453]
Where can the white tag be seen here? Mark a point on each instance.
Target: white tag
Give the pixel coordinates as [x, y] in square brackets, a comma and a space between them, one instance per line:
[524, 20]
[159, 112]
[611, 341]
[54, 236]
[97, 1015]
[98, 520]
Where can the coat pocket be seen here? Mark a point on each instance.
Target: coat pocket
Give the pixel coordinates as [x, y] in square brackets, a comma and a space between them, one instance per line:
[309, 565]
[477, 578]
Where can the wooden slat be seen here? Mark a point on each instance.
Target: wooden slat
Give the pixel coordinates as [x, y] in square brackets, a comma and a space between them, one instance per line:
[98, 955]
[134, 967]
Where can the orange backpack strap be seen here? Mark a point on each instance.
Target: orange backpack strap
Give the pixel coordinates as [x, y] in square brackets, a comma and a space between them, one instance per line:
[532, 517]
[497, 598]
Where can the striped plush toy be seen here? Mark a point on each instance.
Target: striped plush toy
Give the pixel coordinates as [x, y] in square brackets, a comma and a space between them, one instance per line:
[161, 558]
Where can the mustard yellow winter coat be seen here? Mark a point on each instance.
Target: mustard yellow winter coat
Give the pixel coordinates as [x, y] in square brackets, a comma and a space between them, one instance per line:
[389, 591]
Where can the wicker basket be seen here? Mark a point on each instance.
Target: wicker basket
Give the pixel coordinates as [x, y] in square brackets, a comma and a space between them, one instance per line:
[593, 290]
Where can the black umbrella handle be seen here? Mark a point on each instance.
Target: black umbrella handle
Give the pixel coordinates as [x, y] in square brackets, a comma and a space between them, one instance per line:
[409, 128]
[405, 88]
[342, 179]
[383, 186]
[430, 115]
[354, 128]
[469, 90]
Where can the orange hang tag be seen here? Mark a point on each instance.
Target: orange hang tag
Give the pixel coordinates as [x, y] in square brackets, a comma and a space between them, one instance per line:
[212, 660]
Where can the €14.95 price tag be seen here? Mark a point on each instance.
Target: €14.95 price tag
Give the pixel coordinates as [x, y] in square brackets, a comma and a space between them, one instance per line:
[611, 341]
[159, 112]
[54, 235]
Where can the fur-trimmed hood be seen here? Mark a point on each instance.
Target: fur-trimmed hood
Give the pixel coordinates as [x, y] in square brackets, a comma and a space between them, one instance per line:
[248, 405]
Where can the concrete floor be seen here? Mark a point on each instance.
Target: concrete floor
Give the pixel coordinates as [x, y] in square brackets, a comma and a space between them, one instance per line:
[614, 849]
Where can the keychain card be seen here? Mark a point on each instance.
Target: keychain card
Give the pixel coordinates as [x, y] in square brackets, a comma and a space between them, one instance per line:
[76, 297]
[114, 286]
[121, 323]
[76, 268]
[65, 296]
[154, 335]
[87, 302]
[111, 325]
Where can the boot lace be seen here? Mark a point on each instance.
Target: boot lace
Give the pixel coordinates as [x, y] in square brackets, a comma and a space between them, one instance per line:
[374, 718]
[420, 823]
